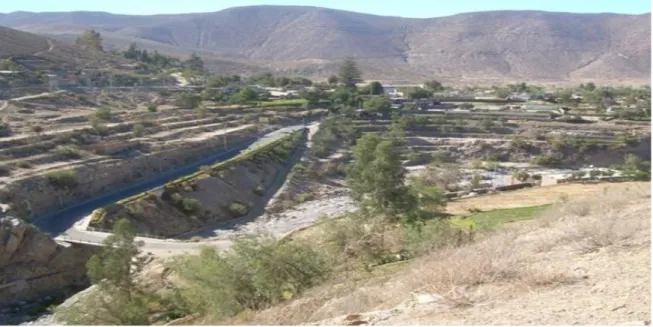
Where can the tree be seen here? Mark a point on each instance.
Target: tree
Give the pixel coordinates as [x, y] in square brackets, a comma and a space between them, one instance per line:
[332, 80]
[434, 86]
[245, 95]
[344, 97]
[190, 101]
[377, 104]
[565, 96]
[377, 178]
[119, 299]
[312, 97]
[132, 52]
[374, 88]
[590, 86]
[502, 93]
[419, 93]
[90, 39]
[194, 63]
[349, 74]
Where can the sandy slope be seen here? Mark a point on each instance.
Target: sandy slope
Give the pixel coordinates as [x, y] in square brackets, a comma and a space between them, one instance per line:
[588, 263]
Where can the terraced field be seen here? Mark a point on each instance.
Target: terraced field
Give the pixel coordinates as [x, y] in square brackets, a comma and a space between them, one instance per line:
[68, 150]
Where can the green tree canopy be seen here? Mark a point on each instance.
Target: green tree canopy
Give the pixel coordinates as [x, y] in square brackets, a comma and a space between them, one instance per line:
[374, 88]
[377, 104]
[349, 74]
[120, 300]
[419, 93]
[377, 178]
[190, 101]
[245, 95]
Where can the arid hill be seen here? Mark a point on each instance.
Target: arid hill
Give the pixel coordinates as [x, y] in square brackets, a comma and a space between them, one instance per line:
[528, 45]
[41, 53]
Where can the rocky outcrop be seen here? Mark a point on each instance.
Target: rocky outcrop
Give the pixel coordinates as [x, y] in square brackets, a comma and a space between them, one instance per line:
[33, 265]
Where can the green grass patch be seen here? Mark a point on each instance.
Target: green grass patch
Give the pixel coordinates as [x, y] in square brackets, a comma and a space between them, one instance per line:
[284, 102]
[495, 218]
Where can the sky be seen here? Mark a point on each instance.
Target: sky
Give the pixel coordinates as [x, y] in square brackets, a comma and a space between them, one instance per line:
[405, 8]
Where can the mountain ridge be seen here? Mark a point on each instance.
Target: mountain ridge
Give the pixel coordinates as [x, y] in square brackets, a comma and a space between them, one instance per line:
[305, 40]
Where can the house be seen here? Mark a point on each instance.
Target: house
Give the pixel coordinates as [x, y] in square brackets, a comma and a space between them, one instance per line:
[519, 96]
[392, 92]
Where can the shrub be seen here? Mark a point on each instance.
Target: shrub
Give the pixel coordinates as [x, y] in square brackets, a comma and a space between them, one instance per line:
[625, 140]
[200, 112]
[152, 108]
[100, 128]
[37, 129]
[521, 176]
[238, 209]
[24, 164]
[519, 143]
[190, 101]
[547, 160]
[255, 274]
[5, 170]
[69, 151]
[65, 179]
[491, 166]
[103, 114]
[138, 130]
[189, 205]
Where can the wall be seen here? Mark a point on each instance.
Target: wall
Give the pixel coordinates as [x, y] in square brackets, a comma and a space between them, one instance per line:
[207, 197]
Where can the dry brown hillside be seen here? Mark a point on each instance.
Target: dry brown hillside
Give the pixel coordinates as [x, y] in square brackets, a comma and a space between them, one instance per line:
[527, 45]
[585, 261]
[41, 52]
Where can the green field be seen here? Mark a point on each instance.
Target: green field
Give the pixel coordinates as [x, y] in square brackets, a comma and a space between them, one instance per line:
[495, 218]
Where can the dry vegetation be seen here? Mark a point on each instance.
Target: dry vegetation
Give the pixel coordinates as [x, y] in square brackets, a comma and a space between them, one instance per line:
[584, 261]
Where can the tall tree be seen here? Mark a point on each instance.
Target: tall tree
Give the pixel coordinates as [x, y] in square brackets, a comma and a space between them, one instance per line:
[377, 177]
[374, 88]
[194, 63]
[349, 74]
[119, 299]
[90, 39]
[419, 93]
[434, 86]
[132, 52]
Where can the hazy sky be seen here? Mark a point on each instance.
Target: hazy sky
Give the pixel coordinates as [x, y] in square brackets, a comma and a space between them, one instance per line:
[405, 8]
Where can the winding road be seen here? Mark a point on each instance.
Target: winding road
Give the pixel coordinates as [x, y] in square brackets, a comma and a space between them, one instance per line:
[67, 224]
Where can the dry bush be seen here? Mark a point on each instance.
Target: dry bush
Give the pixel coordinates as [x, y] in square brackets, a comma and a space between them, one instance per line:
[595, 223]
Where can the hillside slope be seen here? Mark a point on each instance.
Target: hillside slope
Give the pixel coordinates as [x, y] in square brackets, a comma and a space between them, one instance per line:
[33, 50]
[309, 40]
[582, 262]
